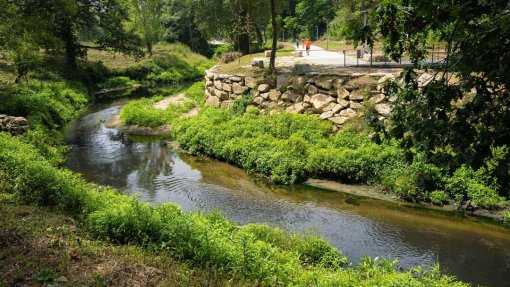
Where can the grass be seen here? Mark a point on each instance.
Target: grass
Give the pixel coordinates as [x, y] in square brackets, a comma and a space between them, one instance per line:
[40, 247]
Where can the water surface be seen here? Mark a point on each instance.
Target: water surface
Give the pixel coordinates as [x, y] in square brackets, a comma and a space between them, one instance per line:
[472, 249]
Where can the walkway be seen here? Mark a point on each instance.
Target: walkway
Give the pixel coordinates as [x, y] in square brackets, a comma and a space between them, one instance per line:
[319, 56]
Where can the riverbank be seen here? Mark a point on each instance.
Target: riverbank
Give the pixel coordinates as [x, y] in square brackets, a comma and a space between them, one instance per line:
[32, 174]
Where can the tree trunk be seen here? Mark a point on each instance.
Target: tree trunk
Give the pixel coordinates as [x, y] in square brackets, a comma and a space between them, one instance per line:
[149, 46]
[275, 37]
[259, 36]
[70, 45]
[244, 43]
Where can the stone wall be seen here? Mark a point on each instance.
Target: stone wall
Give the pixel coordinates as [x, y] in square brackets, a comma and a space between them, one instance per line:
[337, 97]
[13, 125]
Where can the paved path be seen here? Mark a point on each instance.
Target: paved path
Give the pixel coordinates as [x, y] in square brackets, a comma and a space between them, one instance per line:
[319, 56]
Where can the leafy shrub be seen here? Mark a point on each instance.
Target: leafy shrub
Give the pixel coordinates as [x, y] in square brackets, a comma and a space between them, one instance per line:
[412, 182]
[117, 82]
[221, 49]
[506, 217]
[438, 197]
[467, 184]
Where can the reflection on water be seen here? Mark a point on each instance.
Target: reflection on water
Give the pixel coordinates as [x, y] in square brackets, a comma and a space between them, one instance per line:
[471, 249]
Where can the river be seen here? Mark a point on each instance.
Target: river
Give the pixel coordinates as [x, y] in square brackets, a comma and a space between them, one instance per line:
[472, 249]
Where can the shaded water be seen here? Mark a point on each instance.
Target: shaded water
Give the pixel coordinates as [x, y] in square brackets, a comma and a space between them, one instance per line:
[471, 249]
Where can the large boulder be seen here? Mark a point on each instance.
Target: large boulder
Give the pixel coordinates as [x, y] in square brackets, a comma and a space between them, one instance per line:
[282, 81]
[298, 108]
[383, 109]
[274, 95]
[312, 89]
[342, 93]
[218, 85]
[264, 88]
[290, 96]
[226, 87]
[301, 69]
[213, 101]
[239, 89]
[221, 95]
[326, 115]
[320, 101]
[348, 113]
[339, 120]
[325, 84]
[298, 83]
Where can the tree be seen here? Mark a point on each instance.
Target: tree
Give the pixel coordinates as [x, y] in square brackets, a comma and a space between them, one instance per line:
[310, 16]
[146, 21]
[461, 114]
[56, 23]
[275, 37]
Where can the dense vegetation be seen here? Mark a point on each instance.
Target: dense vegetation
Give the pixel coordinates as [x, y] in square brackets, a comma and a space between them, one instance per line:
[256, 253]
[291, 148]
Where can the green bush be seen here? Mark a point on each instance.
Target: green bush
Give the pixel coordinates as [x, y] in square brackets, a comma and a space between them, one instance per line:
[467, 184]
[116, 82]
[506, 217]
[438, 197]
[412, 182]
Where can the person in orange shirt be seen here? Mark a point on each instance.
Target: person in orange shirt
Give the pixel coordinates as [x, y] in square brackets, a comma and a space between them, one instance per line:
[308, 44]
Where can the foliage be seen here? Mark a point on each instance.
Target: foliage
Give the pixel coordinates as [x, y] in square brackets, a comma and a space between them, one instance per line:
[288, 148]
[465, 100]
[506, 217]
[142, 111]
[26, 58]
[253, 252]
[116, 82]
[145, 21]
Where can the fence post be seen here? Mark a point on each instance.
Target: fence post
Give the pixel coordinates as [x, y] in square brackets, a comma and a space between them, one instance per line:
[433, 49]
[371, 56]
[344, 57]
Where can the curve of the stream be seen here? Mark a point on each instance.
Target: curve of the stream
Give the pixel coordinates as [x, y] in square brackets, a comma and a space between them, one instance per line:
[471, 249]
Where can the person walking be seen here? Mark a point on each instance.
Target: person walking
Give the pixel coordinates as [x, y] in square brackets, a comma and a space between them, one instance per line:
[308, 44]
[297, 44]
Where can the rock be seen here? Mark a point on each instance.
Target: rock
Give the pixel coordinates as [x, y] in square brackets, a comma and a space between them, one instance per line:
[227, 104]
[218, 85]
[312, 90]
[337, 108]
[326, 115]
[274, 95]
[392, 99]
[221, 95]
[348, 113]
[339, 120]
[383, 109]
[298, 83]
[226, 87]
[329, 107]
[209, 75]
[424, 79]
[290, 96]
[344, 103]
[258, 100]
[298, 108]
[320, 101]
[385, 78]
[301, 69]
[223, 77]
[267, 53]
[325, 84]
[377, 99]
[342, 93]
[282, 81]
[20, 121]
[208, 82]
[268, 105]
[356, 105]
[265, 96]
[236, 79]
[338, 83]
[251, 83]
[357, 95]
[257, 63]
[213, 102]
[238, 89]
[307, 99]
[263, 88]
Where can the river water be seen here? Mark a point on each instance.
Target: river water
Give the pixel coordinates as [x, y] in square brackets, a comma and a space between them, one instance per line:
[471, 249]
